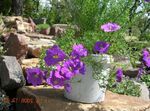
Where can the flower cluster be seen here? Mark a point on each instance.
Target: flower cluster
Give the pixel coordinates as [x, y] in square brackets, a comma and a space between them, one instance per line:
[102, 47]
[110, 27]
[147, 0]
[64, 67]
[119, 75]
[145, 67]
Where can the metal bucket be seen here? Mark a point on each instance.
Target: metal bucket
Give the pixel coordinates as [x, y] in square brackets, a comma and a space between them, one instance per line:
[85, 88]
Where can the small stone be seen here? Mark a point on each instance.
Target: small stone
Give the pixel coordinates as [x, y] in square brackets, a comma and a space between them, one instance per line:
[59, 29]
[29, 63]
[34, 51]
[145, 93]
[4, 37]
[39, 36]
[33, 25]
[45, 31]
[56, 31]
[16, 45]
[33, 62]
[2, 25]
[11, 75]
[11, 19]
[23, 27]
[132, 73]
[122, 62]
[35, 46]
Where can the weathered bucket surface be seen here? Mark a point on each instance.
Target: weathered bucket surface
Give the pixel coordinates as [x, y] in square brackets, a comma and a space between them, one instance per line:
[85, 88]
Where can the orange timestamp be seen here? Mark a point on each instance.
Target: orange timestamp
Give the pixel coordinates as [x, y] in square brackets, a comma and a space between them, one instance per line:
[24, 100]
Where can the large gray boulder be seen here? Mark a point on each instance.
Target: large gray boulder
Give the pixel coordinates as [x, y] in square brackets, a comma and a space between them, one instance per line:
[11, 75]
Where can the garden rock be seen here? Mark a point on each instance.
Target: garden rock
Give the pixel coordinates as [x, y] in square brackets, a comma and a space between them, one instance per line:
[29, 63]
[23, 27]
[4, 37]
[33, 25]
[11, 19]
[16, 45]
[2, 25]
[132, 73]
[37, 42]
[47, 99]
[59, 29]
[45, 31]
[145, 93]
[35, 47]
[39, 36]
[11, 75]
[123, 62]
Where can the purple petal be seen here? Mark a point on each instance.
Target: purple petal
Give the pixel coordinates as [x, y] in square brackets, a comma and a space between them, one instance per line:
[119, 75]
[54, 81]
[101, 47]
[110, 27]
[54, 55]
[147, 0]
[79, 51]
[34, 76]
[68, 87]
[140, 72]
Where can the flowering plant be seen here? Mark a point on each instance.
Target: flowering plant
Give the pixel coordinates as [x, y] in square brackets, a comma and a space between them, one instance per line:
[145, 60]
[147, 0]
[118, 83]
[144, 70]
[62, 67]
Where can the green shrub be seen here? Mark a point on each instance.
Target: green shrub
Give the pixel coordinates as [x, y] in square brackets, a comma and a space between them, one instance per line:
[146, 78]
[126, 86]
[135, 49]
[42, 27]
[89, 38]
[67, 40]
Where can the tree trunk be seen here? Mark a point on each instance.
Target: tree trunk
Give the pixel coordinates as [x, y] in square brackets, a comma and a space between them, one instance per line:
[17, 7]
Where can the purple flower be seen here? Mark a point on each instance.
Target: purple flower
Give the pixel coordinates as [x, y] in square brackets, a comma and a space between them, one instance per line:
[110, 27]
[101, 47]
[63, 72]
[146, 61]
[140, 72]
[146, 57]
[147, 0]
[54, 55]
[75, 66]
[68, 87]
[34, 76]
[45, 75]
[80, 67]
[54, 81]
[145, 53]
[119, 75]
[79, 51]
